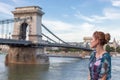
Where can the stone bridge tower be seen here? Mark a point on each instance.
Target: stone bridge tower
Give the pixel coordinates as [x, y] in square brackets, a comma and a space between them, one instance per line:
[28, 28]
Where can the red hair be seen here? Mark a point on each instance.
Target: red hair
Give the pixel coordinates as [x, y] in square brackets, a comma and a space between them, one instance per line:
[102, 37]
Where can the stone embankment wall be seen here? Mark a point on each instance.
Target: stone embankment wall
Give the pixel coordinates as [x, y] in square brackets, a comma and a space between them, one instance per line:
[4, 48]
[76, 54]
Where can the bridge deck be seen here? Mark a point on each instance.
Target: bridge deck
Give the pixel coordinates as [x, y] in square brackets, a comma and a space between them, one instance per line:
[14, 42]
[24, 43]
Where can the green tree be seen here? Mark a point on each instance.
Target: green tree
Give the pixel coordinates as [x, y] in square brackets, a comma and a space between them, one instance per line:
[118, 49]
[112, 49]
[108, 48]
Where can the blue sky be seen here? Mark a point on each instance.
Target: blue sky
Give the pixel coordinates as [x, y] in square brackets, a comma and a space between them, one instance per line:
[71, 20]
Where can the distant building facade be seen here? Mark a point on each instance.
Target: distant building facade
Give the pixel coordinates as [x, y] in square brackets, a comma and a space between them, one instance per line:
[113, 44]
[87, 39]
[86, 43]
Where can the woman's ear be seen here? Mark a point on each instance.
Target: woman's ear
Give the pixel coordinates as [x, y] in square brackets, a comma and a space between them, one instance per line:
[97, 41]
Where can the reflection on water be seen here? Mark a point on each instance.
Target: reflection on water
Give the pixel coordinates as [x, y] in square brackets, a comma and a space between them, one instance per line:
[59, 69]
[27, 72]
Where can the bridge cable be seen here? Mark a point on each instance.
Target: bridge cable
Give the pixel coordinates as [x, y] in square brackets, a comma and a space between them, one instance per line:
[54, 34]
[49, 38]
[2, 29]
[7, 29]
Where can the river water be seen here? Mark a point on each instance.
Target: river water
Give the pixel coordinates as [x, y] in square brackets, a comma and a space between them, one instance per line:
[58, 69]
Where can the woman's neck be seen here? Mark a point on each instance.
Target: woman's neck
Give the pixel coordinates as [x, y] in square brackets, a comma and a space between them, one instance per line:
[99, 50]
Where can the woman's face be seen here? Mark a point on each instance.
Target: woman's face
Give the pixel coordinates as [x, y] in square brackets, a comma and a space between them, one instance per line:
[94, 42]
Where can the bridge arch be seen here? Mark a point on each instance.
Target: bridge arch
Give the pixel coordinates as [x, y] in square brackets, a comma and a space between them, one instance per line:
[24, 31]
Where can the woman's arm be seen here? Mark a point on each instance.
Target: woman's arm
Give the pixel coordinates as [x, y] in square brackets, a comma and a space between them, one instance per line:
[89, 76]
[104, 77]
[106, 68]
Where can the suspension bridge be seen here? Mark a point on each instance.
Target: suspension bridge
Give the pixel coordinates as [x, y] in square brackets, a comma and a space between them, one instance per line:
[23, 34]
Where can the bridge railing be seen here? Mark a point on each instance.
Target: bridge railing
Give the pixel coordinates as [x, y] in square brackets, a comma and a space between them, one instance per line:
[7, 25]
[6, 30]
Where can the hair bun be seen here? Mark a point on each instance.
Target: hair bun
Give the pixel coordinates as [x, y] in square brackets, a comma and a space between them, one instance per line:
[107, 37]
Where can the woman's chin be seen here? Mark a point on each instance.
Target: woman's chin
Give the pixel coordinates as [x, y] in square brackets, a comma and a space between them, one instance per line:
[92, 46]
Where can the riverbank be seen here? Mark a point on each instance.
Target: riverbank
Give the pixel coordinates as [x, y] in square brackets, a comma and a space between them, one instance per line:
[78, 54]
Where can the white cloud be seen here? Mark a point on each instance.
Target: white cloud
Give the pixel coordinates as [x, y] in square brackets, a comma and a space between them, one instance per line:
[65, 15]
[6, 8]
[105, 0]
[80, 16]
[57, 25]
[75, 32]
[108, 14]
[73, 8]
[17, 1]
[21, 2]
[116, 3]
[93, 18]
[69, 32]
[111, 13]
[87, 26]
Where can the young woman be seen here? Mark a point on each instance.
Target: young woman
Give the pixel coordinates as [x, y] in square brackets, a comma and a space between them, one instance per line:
[100, 60]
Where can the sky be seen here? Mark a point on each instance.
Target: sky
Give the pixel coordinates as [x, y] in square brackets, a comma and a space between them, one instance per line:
[71, 20]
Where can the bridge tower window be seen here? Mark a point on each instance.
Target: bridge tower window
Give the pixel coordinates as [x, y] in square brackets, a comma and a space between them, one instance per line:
[23, 31]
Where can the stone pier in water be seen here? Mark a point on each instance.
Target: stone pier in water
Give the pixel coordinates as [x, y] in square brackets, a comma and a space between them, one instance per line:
[27, 30]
